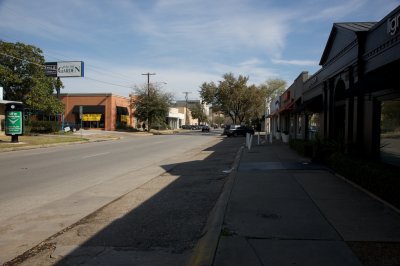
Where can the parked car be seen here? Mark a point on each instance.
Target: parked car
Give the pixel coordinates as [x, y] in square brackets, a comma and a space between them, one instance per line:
[68, 126]
[238, 131]
[229, 127]
[205, 129]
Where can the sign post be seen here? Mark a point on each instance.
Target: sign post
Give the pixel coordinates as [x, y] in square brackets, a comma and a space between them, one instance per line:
[14, 124]
[81, 117]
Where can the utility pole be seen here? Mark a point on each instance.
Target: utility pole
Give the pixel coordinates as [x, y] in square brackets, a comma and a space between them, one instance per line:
[148, 74]
[187, 113]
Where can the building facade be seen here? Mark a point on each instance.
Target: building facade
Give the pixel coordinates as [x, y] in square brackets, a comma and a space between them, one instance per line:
[97, 110]
[348, 99]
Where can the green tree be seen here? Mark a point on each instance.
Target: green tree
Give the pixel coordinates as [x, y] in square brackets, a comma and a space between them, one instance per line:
[264, 95]
[198, 112]
[273, 88]
[23, 79]
[234, 98]
[151, 104]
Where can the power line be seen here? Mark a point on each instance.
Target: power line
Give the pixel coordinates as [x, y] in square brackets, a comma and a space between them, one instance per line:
[109, 83]
[22, 60]
[41, 65]
[92, 67]
[186, 111]
[186, 95]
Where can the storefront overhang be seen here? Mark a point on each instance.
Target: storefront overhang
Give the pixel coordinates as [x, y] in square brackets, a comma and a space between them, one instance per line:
[287, 107]
[314, 105]
[89, 109]
[274, 113]
[122, 110]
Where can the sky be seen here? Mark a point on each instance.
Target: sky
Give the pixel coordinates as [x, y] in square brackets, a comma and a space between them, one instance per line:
[184, 42]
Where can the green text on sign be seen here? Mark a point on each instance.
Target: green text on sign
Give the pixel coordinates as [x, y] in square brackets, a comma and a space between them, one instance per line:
[14, 123]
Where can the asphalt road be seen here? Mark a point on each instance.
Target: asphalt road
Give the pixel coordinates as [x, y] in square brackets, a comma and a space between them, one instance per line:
[42, 191]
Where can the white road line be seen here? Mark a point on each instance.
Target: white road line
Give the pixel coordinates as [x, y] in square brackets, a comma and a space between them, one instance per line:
[95, 155]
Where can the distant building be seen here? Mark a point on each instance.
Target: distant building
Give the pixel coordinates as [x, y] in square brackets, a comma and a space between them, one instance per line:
[99, 110]
[175, 118]
[183, 107]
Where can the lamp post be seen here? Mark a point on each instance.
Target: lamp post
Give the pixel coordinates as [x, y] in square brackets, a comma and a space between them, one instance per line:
[148, 74]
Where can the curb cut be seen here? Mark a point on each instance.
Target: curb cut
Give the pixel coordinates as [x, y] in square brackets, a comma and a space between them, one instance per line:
[206, 247]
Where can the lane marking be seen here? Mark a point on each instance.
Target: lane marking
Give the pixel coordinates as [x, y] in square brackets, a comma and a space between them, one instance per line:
[95, 155]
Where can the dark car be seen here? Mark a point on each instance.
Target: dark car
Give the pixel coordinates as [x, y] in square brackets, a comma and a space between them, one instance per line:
[227, 128]
[205, 129]
[238, 131]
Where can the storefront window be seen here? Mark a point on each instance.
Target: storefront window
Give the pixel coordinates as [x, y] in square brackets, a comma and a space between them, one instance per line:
[390, 131]
[299, 124]
[313, 126]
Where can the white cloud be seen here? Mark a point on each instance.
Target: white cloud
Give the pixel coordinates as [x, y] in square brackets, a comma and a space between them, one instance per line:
[251, 62]
[212, 25]
[295, 62]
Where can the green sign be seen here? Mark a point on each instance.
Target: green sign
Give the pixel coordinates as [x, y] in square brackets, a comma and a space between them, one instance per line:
[14, 123]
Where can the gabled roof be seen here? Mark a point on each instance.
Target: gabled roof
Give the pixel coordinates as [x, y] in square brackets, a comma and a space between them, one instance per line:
[346, 32]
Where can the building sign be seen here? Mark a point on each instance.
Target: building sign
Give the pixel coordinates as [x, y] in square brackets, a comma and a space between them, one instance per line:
[124, 118]
[70, 69]
[14, 123]
[393, 24]
[50, 69]
[91, 117]
[64, 69]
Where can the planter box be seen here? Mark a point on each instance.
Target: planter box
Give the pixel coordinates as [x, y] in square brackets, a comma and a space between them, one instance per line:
[285, 138]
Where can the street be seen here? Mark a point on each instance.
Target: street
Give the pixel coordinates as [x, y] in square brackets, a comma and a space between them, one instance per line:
[43, 191]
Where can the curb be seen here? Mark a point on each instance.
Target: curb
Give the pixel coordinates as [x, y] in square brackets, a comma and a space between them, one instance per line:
[39, 146]
[206, 247]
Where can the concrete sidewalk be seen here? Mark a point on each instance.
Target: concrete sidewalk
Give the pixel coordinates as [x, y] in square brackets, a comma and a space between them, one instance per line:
[285, 210]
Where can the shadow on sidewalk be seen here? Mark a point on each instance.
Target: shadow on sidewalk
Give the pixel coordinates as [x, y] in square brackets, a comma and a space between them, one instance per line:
[164, 228]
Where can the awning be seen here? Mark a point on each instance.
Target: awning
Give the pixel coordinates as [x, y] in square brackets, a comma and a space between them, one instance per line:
[122, 110]
[274, 113]
[287, 108]
[314, 105]
[89, 109]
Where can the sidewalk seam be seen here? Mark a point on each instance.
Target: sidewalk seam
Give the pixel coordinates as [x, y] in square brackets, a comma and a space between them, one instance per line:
[319, 210]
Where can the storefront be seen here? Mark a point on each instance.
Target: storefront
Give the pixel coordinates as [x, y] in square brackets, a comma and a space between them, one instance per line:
[97, 111]
[292, 120]
[358, 81]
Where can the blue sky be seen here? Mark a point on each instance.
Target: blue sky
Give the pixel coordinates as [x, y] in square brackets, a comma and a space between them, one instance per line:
[185, 42]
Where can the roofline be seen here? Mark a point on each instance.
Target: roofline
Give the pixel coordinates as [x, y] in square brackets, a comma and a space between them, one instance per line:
[384, 20]
[333, 32]
[109, 94]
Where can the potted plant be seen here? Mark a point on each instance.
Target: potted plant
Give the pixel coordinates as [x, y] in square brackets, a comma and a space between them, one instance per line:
[285, 137]
[278, 134]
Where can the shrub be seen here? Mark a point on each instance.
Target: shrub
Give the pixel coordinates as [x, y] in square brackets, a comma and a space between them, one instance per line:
[377, 177]
[42, 127]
